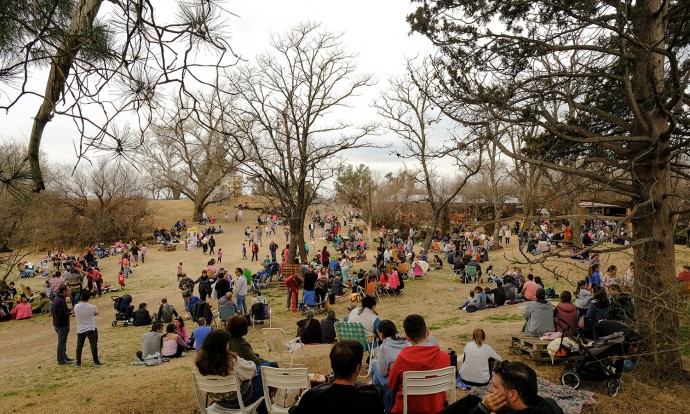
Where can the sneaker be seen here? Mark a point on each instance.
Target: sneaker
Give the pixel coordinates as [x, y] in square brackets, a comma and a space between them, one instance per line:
[64, 363]
[77, 365]
[98, 364]
[68, 359]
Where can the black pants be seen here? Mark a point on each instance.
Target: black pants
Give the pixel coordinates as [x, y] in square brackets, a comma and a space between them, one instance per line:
[93, 341]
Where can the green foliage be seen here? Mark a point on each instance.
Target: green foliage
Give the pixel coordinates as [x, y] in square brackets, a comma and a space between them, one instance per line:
[352, 185]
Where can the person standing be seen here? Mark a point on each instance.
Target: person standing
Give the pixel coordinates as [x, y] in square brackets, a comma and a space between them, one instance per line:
[135, 254]
[220, 255]
[61, 315]
[74, 280]
[85, 314]
[204, 244]
[273, 247]
[143, 253]
[211, 246]
[259, 235]
[255, 252]
[240, 289]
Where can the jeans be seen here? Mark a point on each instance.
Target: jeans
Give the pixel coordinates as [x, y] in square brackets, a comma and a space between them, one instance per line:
[75, 296]
[377, 379]
[257, 382]
[127, 270]
[62, 343]
[93, 342]
[242, 304]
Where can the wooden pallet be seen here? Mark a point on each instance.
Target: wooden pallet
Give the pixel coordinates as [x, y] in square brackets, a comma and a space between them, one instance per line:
[535, 349]
[530, 343]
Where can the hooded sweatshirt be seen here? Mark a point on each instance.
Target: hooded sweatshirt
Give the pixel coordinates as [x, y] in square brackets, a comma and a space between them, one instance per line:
[539, 316]
[568, 313]
[388, 352]
[422, 357]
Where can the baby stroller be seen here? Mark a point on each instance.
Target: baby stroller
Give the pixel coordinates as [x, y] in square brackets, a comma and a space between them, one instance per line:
[603, 360]
[123, 310]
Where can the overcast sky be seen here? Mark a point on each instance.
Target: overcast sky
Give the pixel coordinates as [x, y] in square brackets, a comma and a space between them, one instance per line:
[375, 30]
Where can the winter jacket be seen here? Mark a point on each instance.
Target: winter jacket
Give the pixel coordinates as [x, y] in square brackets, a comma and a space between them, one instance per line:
[388, 351]
[539, 316]
[584, 296]
[142, 317]
[568, 314]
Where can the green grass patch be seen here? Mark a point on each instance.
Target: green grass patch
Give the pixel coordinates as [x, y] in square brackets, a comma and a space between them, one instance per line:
[447, 323]
[8, 394]
[685, 339]
[464, 337]
[42, 388]
[502, 318]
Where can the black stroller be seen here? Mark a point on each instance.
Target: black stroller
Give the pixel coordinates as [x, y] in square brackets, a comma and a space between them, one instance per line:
[123, 310]
[604, 359]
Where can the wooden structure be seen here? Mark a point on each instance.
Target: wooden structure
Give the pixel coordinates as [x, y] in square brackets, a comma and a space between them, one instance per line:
[536, 349]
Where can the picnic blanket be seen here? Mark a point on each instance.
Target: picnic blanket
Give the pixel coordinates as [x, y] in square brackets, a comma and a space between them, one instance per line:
[569, 399]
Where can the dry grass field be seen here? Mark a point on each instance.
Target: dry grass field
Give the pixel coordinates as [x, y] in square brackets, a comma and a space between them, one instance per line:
[33, 382]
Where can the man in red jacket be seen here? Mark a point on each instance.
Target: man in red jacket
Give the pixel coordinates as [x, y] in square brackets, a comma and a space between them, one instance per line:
[422, 356]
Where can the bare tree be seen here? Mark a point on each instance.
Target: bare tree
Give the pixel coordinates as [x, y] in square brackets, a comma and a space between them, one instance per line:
[282, 110]
[125, 50]
[410, 115]
[187, 151]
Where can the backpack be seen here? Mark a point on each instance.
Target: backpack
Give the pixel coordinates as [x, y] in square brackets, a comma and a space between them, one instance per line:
[551, 293]
[152, 360]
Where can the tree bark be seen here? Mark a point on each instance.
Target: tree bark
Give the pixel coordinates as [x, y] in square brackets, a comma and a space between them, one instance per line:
[84, 15]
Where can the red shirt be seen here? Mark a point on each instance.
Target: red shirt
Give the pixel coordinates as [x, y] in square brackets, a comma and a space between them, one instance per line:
[684, 276]
[95, 275]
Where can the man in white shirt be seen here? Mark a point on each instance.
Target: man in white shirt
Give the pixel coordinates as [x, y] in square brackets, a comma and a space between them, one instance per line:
[85, 314]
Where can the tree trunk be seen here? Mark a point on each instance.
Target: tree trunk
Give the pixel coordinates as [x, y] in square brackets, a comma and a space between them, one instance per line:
[198, 210]
[296, 244]
[81, 24]
[655, 288]
[176, 194]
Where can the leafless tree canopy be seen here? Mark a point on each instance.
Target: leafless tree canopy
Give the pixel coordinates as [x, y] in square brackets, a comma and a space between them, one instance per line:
[283, 110]
[411, 115]
[187, 150]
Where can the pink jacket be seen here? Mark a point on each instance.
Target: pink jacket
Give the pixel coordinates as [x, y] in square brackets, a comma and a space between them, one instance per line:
[21, 311]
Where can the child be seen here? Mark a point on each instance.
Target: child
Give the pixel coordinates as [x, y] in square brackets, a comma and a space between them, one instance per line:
[244, 252]
[220, 255]
[121, 279]
[179, 271]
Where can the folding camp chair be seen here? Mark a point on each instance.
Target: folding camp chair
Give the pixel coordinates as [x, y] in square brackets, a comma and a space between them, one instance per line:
[428, 383]
[215, 384]
[276, 341]
[470, 274]
[285, 379]
[354, 331]
[456, 273]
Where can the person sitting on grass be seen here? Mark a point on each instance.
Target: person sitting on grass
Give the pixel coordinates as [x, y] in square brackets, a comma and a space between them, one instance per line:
[173, 344]
[477, 359]
[538, 315]
[200, 333]
[22, 310]
[43, 305]
[142, 317]
[152, 341]
[309, 329]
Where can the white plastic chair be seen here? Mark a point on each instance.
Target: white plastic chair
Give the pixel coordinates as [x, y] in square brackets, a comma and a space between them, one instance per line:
[428, 383]
[276, 341]
[216, 384]
[283, 378]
